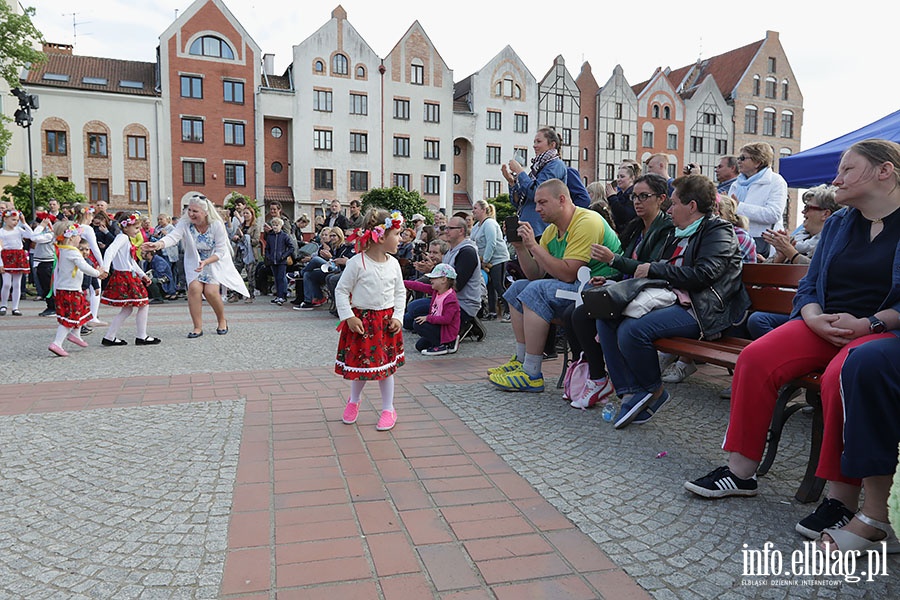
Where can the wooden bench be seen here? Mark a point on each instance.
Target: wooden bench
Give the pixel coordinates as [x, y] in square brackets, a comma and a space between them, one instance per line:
[771, 289]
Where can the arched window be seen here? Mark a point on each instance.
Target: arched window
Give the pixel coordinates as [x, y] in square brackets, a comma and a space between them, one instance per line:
[498, 88]
[339, 65]
[319, 66]
[771, 87]
[756, 85]
[584, 154]
[750, 115]
[210, 45]
[784, 89]
[360, 72]
[787, 124]
[667, 113]
[518, 92]
[656, 111]
[585, 122]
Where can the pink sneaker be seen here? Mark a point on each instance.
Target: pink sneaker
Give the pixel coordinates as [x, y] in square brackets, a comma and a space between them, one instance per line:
[387, 420]
[60, 352]
[351, 412]
[77, 340]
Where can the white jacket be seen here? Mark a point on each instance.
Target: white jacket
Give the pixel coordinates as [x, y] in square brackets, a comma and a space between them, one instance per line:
[70, 270]
[222, 271]
[764, 203]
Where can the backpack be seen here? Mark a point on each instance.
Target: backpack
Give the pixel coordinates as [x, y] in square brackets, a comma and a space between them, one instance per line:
[576, 378]
[579, 193]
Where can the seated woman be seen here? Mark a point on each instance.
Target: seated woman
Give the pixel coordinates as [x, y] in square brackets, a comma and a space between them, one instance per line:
[702, 262]
[342, 254]
[643, 241]
[818, 205]
[333, 248]
[870, 385]
[849, 297]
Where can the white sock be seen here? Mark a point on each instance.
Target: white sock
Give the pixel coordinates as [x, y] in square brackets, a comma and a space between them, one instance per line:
[140, 321]
[94, 299]
[387, 393]
[532, 365]
[356, 388]
[116, 322]
[520, 351]
[61, 332]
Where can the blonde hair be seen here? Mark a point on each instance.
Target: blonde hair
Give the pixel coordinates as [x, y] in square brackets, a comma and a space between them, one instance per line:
[339, 233]
[489, 209]
[728, 211]
[373, 218]
[212, 214]
[277, 222]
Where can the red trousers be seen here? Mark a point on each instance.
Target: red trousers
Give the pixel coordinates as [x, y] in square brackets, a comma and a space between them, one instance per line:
[783, 354]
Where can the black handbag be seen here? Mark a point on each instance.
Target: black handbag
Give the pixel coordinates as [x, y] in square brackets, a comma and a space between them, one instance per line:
[608, 301]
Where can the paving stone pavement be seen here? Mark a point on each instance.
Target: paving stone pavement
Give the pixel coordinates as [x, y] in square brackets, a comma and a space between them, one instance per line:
[608, 483]
[118, 503]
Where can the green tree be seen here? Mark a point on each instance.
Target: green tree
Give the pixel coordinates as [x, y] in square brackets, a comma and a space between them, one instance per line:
[45, 188]
[18, 38]
[235, 196]
[502, 206]
[408, 202]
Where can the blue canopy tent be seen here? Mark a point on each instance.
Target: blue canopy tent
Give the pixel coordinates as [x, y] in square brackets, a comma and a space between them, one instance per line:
[819, 165]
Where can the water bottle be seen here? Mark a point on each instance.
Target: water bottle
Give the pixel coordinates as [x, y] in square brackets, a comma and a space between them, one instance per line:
[610, 410]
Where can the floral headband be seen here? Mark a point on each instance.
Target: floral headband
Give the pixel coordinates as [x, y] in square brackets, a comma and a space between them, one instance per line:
[132, 219]
[9, 213]
[376, 234]
[71, 231]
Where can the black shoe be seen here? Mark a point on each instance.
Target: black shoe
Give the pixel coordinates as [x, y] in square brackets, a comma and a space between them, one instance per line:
[157, 301]
[721, 483]
[2, 311]
[193, 335]
[47, 312]
[830, 514]
[115, 342]
[223, 331]
[17, 313]
[147, 341]
[85, 330]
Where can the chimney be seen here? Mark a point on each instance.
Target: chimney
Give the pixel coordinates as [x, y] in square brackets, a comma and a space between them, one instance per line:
[50, 47]
[269, 64]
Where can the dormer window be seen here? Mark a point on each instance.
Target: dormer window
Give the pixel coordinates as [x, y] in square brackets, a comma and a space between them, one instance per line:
[210, 45]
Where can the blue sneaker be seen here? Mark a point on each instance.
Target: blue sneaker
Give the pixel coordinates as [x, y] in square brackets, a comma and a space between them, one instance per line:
[647, 414]
[631, 407]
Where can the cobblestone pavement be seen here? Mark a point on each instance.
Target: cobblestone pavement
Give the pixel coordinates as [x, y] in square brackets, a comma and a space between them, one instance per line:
[608, 483]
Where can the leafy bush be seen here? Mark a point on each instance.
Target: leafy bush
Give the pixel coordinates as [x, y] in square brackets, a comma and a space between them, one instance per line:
[408, 202]
[45, 188]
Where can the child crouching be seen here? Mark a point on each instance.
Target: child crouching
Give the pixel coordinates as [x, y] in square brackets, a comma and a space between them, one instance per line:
[72, 307]
[439, 329]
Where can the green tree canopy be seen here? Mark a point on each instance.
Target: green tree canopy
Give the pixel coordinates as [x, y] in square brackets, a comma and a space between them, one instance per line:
[250, 202]
[503, 207]
[408, 202]
[18, 38]
[45, 188]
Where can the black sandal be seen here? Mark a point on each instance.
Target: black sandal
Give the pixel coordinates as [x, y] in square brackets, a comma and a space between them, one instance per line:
[194, 334]
[147, 341]
[115, 342]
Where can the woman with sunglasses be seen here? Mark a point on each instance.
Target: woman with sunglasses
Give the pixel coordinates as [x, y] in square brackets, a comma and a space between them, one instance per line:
[761, 193]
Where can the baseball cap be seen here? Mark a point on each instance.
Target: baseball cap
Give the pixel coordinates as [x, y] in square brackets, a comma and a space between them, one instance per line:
[442, 270]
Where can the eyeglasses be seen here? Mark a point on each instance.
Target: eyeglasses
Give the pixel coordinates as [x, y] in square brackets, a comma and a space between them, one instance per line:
[808, 207]
[743, 158]
[642, 197]
[446, 227]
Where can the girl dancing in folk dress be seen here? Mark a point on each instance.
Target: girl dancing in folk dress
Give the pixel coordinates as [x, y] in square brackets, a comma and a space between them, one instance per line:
[126, 287]
[72, 308]
[14, 258]
[370, 300]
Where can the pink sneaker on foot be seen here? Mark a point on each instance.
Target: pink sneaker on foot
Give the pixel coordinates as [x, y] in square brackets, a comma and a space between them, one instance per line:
[351, 412]
[77, 341]
[387, 420]
[60, 352]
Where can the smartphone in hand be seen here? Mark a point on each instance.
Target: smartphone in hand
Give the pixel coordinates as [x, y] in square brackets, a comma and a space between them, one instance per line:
[511, 224]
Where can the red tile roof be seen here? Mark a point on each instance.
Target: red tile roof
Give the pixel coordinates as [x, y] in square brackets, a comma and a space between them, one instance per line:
[94, 73]
[278, 193]
[461, 201]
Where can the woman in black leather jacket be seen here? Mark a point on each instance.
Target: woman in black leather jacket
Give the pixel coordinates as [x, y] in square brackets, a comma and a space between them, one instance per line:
[702, 263]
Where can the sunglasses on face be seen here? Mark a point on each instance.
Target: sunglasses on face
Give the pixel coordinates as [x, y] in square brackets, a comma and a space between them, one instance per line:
[446, 227]
[808, 207]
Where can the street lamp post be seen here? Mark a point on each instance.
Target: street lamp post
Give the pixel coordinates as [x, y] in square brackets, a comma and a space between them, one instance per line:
[27, 103]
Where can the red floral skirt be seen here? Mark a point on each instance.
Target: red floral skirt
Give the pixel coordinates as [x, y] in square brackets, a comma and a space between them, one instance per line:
[72, 308]
[374, 355]
[124, 288]
[15, 261]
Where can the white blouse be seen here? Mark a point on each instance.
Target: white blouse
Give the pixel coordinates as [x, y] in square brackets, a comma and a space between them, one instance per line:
[373, 285]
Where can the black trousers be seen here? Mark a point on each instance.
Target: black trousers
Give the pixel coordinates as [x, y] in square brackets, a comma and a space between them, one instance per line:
[44, 272]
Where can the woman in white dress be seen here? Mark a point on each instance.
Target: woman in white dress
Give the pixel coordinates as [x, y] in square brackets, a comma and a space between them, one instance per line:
[207, 261]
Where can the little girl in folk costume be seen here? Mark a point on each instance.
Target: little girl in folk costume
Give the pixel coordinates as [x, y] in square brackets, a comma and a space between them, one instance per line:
[126, 287]
[370, 299]
[14, 261]
[72, 307]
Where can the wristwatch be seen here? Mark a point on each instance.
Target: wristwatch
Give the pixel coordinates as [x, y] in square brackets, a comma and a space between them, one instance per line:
[876, 325]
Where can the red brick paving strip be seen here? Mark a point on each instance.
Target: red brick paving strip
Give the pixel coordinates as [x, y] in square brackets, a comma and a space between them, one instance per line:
[326, 510]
